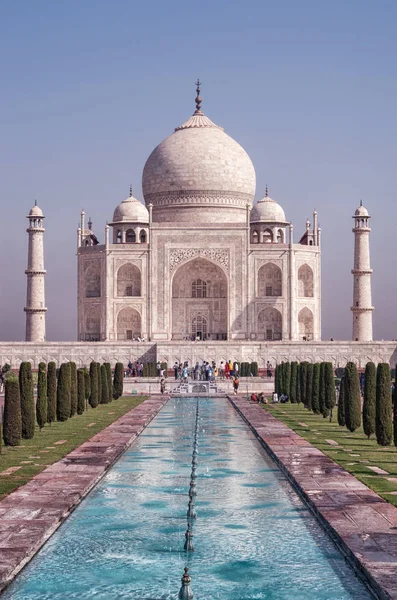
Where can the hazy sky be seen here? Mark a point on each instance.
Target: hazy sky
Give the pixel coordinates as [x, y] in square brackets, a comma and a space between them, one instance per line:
[89, 88]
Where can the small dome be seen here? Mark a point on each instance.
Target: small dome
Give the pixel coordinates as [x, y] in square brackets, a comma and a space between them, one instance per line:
[361, 211]
[131, 211]
[267, 210]
[36, 211]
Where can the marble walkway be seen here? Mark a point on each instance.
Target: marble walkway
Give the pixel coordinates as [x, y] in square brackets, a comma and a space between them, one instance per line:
[30, 515]
[362, 524]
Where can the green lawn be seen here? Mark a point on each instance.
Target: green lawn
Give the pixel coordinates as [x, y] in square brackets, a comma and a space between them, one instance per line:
[35, 455]
[355, 452]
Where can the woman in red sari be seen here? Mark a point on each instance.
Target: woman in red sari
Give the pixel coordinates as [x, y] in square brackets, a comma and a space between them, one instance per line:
[227, 370]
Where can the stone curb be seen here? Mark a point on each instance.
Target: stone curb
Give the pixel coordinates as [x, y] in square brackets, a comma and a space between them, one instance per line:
[31, 514]
[361, 523]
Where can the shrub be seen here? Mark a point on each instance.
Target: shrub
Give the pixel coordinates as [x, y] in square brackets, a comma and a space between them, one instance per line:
[293, 382]
[383, 421]
[321, 397]
[395, 411]
[12, 419]
[254, 369]
[104, 385]
[298, 384]
[369, 406]
[63, 392]
[118, 380]
[277, 379]
[287, 378]
[73, 389]
[81, 391]
[352, 397]
[330, 394]
[94, 397]
[41, 402]
[316, 389]
[303, 382]
[99, 384]
[87, 383]
[27, 400]
[109, 380]
[51, 392]
[341, 403]
[309, 385]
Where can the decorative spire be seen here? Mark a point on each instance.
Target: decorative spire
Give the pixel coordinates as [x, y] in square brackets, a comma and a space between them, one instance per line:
[361, 202]
[89, 224]
[35, 202]
[198, 99]
[185, 593]
[266, 192]
[131, 190]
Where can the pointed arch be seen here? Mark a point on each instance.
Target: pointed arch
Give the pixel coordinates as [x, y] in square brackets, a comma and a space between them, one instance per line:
[130, 236]
[128, 324]
[305, 322]
[270, 323]
[92, 278]
[270, 280]
[128, 281]
[305, 282]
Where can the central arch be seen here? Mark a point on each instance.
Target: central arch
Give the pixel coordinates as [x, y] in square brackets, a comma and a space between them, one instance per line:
[128, 324]
[199, 301]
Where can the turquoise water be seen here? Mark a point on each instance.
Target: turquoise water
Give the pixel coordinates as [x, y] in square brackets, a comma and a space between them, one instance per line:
[253, 537]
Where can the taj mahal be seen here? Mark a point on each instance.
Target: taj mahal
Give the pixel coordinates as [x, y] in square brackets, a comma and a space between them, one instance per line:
[200, 268]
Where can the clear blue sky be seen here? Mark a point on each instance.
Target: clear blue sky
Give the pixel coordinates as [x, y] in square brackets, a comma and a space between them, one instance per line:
[89, 88]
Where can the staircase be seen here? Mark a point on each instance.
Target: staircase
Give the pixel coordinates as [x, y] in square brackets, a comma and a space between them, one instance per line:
[197, 388]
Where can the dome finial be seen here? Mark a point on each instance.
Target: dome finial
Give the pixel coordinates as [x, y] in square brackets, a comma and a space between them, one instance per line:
[35, 202]
[266, 192]
[198, 98]
[361, 202]
[131, 190]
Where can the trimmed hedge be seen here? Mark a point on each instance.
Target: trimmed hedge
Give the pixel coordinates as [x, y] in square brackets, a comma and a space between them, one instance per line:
[316, 389]
[395, 412]
[73, 388]
[341, 403]
[321, 397]
[81, 391]
[309, 385]
[41, 402]
[303, 382]
[51, 392]
[118, 380]
[27, 400]
[287, 378]
[12, 419]
[352, 397]
[87, 383]
[298, 384]
[104, 385]
[63, 392]
[109, 379]
[330, 392]
[293, 382]
[254, 369]
[369, 406]
[99, 382]
[383, 421]
[94, 396]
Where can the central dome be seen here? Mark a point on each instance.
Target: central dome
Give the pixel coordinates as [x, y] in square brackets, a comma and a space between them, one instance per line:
[199, 174]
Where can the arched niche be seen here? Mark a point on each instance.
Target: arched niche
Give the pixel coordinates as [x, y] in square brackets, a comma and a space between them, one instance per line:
[199, 301]
[305, 282]
[92, 278]
[129, 324]
[270, 324]
[270, 280]
[143, 236]
[267, 236]
[128, 281]
[93, 324]
[130, 236]
[305, 322]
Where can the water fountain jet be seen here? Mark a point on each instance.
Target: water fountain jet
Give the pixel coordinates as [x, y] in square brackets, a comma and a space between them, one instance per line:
[185, 593]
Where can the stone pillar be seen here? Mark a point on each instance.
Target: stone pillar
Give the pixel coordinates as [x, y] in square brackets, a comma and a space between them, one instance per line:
[362, 302]
[35, 296]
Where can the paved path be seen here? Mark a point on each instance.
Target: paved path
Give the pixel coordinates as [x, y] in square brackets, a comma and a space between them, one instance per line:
[362, 524]
[30, 515]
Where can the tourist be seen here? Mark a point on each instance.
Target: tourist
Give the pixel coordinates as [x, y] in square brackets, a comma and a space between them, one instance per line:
[215, 372]
[274, 398]
[176, 367]
[222, 370]
[141, 369]
[185, 373]
[158, 367]
[262, 398]
[162, 386]
[161, 373]
[235, 369]
[197, 371]
[227, 370]
[269, 369]
[254, 397]
[130, 367]
[231, 368]
[235, 385]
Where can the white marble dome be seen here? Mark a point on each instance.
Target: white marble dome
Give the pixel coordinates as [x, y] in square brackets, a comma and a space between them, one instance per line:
[131, 210]
[361, 211]
[199, 165]
[267, 210]
[36, 211]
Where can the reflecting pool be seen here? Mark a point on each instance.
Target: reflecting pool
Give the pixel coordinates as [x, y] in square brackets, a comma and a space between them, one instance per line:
[253, 536]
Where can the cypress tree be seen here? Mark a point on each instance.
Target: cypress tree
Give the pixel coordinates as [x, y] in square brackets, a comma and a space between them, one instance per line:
[104, 385]
[309, 385]
[293, 384]
[277, 379]
[80, 391]
[87, 383]
[369, 406]
[109, 379]
[303, 382]
[41, 402]
[383, 423]
[316, 388]
[287, 378]
[12, 418]
[63, 392]
[395, 409]
[298, 383]
[118, 380]
[27, 400]
[330, 394]
[51, 392]
[321, 398]
[341, 403]
[352, 397]
[99, 379]
[73, 389]
[94, 398]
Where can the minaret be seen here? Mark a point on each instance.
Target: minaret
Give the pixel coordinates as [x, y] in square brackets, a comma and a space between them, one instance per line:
[362, 304]
[35, 297]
